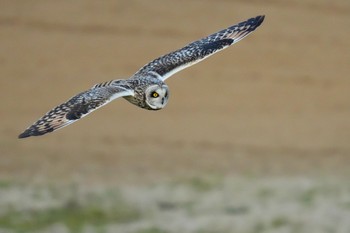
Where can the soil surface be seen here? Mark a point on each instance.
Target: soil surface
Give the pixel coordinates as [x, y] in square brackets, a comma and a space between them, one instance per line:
[276, 103]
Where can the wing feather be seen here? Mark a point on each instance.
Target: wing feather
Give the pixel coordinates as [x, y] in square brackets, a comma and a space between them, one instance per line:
[169, 64]
[77, 107]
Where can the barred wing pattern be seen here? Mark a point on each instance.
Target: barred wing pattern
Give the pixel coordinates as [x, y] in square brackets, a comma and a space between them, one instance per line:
[76, 108]
[169, 64]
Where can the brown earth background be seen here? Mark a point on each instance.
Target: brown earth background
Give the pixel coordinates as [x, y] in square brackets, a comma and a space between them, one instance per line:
[275, 104]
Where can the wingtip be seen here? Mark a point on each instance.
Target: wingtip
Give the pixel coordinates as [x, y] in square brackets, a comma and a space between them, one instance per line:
[259, 19]
[25, 134]
[32, 132]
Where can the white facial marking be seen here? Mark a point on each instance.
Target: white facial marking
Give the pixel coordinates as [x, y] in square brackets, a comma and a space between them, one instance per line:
[157, 96]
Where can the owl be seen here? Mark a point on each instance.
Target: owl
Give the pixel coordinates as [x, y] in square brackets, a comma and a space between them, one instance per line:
[146, 88]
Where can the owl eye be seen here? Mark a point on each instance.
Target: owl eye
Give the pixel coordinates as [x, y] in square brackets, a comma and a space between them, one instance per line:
[154, 94]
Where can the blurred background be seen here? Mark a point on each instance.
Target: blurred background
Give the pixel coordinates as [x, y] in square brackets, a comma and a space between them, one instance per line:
[253, 139]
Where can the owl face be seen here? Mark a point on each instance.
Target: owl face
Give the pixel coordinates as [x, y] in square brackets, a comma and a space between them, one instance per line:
[157, 96]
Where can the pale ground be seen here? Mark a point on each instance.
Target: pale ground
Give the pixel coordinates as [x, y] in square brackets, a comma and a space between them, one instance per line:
[274, 106]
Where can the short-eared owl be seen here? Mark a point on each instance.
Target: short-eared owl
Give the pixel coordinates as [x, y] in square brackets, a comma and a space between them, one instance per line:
[146, 88]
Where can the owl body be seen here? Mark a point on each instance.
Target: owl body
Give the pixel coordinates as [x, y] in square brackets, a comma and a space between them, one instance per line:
[146, 88]
[149, 92]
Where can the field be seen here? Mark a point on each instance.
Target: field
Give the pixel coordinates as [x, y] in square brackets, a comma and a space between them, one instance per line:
[201, 205]
[254, 139]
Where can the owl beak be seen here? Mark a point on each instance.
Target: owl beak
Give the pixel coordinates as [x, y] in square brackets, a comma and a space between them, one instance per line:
[163, 99]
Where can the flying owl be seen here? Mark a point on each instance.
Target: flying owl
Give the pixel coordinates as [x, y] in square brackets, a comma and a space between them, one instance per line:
[146, 88]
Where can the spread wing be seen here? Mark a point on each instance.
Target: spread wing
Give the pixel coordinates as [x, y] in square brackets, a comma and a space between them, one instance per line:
[77, 107]
[169, 64]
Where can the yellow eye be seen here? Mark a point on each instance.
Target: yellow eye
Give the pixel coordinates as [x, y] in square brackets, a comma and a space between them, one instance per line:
[155, 94]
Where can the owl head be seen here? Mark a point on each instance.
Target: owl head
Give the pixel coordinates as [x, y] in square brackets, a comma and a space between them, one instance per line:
[157, 96]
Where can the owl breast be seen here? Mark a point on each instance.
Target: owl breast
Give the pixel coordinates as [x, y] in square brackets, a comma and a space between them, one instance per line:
[138, 101]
